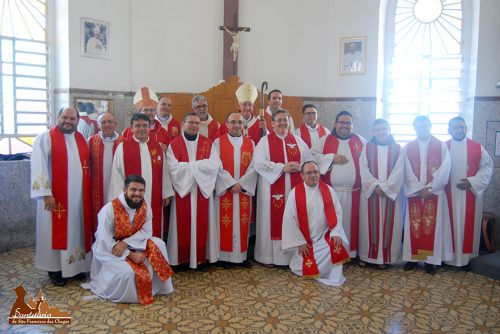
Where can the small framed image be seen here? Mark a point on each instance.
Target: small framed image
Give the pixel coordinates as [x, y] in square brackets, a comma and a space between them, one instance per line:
[94, 38]
[352, 55]
[93, 107]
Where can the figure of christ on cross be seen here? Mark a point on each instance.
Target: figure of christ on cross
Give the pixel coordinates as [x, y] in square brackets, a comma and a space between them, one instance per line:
[234, 35]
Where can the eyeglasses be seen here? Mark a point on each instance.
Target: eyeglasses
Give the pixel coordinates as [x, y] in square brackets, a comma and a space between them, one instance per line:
[281, 120]
[310, 113]
[202, 106]
[192, 122]
[348, 123]
[235, 122]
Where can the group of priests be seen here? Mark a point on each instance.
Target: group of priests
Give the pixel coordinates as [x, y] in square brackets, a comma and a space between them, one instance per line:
[166, 193]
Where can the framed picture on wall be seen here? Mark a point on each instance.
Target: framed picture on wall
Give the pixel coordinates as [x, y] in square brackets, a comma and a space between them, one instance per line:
[352, 55]
[93, 107]
[94, 40]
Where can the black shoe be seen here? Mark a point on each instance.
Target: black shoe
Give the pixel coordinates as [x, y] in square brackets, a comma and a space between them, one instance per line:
[80, 276]
[247, 264]
[227, 265]
[202, 267]
[410, 266]
[57, 279]
[430, 269]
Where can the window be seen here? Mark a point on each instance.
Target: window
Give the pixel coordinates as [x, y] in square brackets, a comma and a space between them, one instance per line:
[424, 70]
[24, 84]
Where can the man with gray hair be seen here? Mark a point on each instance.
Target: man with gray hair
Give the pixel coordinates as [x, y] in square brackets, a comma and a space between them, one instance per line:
[209, 127]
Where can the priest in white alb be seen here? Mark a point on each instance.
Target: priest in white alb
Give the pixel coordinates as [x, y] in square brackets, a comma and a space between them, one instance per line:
[60, 182]
[337, 155]
[193, 163]
[470, 174]
[235, 188]
[312, 229]
[102, 148]
[129, 265]
[382, 175]
[144, 156]
[427, 229]
[277, 159]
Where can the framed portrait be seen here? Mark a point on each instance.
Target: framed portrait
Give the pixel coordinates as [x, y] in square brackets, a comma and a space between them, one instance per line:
[93, 107]
[353, 55]
[94, 40]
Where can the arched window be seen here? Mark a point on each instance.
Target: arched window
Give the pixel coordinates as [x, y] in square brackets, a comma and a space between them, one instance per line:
[424, 65]
[24, 84]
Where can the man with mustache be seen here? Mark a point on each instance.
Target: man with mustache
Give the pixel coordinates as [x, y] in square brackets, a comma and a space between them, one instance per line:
[60, 181]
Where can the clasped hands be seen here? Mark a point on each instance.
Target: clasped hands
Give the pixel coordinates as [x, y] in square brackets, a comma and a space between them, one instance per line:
[291, 167]
[121, 246]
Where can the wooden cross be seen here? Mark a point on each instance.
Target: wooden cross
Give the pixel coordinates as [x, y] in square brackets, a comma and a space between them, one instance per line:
[231, 43]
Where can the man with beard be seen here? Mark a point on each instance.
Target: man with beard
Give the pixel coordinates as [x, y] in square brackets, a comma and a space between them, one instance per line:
[253, 126]
[382, 174]
[469, 176]
[209, 127]
[129, 264]
[167, 120]
[277, 159]
[143, 156]
[427, 230]
[311, 131]
[312, 229]
[145, 102]
[60, 181]
[337, 156]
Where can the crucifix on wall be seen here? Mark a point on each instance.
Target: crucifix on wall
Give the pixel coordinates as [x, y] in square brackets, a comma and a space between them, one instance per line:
[231, 39]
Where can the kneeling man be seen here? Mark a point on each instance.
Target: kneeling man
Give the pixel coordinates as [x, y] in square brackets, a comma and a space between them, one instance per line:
[312, 228]
[129, 264]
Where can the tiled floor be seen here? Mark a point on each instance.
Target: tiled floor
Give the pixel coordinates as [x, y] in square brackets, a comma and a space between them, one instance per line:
[262, 300]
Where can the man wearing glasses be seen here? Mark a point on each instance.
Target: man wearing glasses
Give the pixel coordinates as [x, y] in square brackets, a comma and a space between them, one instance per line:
[337, 156]
[311, 131]
[209, 127]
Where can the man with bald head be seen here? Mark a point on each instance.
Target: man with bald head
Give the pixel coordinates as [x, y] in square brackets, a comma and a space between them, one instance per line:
[60, 182]
[102, 148]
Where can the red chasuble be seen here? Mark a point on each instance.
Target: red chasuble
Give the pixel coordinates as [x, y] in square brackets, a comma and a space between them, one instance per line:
[356, 146]
[422, 213]
[306, 136]
[339, 255]
[59, 163]
[132, 162]
[374, 204]
[278, 196]
[213, 130]
[226, 200]
[124, 229]
[173, 129]
[183, 205]
[473, 162]
[96, 147]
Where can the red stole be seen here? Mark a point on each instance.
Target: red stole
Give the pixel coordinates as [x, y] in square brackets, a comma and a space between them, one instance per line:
[374, 204]
[96, 147]
[473, 162]
[173, 128]
[132, 162]
[213, 130]
[339, 255]
[356, 146]
[306, 136]
[278, 195]
[59, 163]
[183, 205]
[226, 201]
[125, 229]
[422, 213]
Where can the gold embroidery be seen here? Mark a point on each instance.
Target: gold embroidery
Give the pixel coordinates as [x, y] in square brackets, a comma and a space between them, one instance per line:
[278, 200]
[244, 202]
[226, 204]
[59, 210]
[246, 157]
[226, 221]
[309, 263]
[85, 167]
[244, 219]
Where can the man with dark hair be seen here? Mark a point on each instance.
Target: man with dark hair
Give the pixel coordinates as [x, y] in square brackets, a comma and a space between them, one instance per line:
[277, 159]
[129, 265]
[311, 131]
[337, 156]
[469, 176]
[143, 156]
[60, 181]
[427, 231]
[145, 102]
[193, 164]
[382, 174]
[235, 188]
[312, 229]
[274, 103]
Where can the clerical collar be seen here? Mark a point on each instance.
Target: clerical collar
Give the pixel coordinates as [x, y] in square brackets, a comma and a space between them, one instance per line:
[425, 141]
[311, 188]
[390, 141]
[140, 142]
[163, 120]
[234, 136]
[112, 138]
[281, 136]
[311, 128]
[190, 137]
[336, 135]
